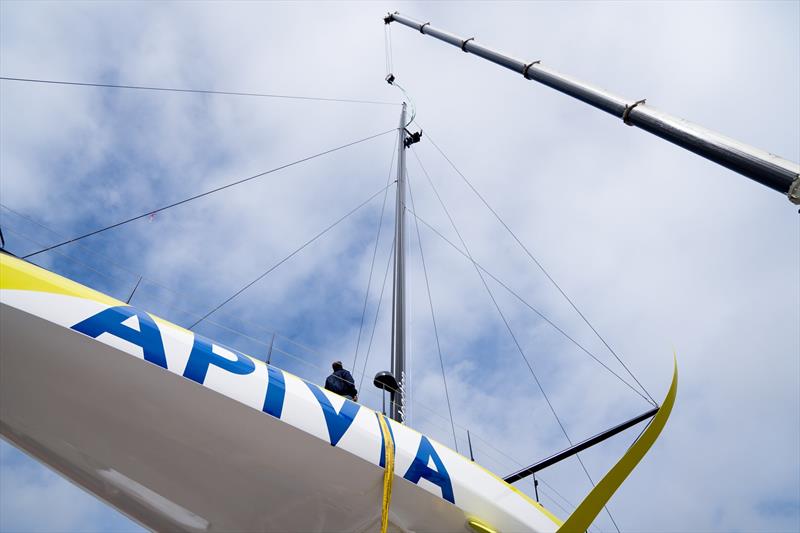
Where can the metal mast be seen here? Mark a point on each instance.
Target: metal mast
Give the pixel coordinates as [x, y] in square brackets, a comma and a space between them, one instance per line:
[761, 166]
[397, 411]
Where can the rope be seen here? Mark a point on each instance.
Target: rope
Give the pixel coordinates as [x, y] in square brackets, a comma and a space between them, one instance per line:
[295, 252]
[433, 319]
[544, 271]
[388, 471]
[195, 197]
[197, 91]
[372, 264]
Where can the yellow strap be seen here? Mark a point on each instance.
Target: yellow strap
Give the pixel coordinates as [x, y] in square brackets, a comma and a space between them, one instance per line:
[587, 511]
[388, 473]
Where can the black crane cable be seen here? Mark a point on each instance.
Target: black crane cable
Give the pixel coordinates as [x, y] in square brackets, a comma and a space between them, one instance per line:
[206, 193]
[511, 333]
[197, 91]
[541, 267]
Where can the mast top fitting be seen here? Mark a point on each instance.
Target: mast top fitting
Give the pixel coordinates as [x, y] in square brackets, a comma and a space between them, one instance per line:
[413, 138]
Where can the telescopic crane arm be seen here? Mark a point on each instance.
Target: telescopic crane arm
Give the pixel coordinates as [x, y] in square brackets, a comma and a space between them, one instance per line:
[761, 166]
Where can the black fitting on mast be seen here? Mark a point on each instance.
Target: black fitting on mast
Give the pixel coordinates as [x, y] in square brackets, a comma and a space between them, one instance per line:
[413, 138]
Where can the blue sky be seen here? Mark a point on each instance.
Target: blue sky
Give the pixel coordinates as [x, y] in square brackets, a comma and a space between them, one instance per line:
[661, 249]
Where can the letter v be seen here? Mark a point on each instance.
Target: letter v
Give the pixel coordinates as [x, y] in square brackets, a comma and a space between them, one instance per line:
[338, 423]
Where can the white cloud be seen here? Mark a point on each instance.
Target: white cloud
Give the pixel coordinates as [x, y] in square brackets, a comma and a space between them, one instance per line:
[658, 247]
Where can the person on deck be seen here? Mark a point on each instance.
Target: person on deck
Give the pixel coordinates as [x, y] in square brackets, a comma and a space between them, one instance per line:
[341, 382]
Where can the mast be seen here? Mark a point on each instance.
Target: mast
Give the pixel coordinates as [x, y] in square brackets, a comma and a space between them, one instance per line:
[761, 166]
[397, 411]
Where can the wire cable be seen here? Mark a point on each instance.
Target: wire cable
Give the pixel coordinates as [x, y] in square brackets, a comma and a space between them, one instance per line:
[508, 327]
[295, 252]
[516, 295]
[176, 294]
[195, 197]
[259, 341]
[433, 317]
[197, 91]
[387, 48]
[377, 313]
[541, 267]
[372, 264]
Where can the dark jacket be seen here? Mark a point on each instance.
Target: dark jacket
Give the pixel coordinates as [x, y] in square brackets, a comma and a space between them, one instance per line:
[341, 382]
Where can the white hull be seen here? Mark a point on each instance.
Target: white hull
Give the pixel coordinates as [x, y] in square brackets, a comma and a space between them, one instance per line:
[177, 454]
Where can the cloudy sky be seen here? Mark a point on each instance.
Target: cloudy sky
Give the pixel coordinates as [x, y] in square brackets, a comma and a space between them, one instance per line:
[660, 249]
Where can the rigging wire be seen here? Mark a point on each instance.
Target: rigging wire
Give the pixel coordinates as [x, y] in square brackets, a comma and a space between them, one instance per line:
[433, 316]
[516, 295]
[229, 329]
[372, 264]
[259, 341]
[377, 313]
[206, 193]
[544, 271]
[152, 282]
[197, 91]
[510, 330]
[224, 327]
[295, 252]
[116, 279]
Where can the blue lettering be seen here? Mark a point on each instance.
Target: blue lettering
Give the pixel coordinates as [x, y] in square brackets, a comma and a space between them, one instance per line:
[419, 469]
[276, 392]
[148, 338]
[203, 355]
[338, 423]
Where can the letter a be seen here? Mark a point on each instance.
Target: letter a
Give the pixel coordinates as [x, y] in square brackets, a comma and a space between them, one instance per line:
[419, 469]
[110, 321]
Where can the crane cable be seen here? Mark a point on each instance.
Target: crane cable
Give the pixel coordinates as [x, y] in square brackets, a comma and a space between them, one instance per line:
[390, 78]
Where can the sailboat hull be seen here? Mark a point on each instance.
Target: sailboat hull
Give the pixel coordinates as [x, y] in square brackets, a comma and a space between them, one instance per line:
[179, 453]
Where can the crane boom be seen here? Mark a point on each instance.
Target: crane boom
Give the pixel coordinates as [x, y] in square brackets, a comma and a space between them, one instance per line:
[768, 169]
